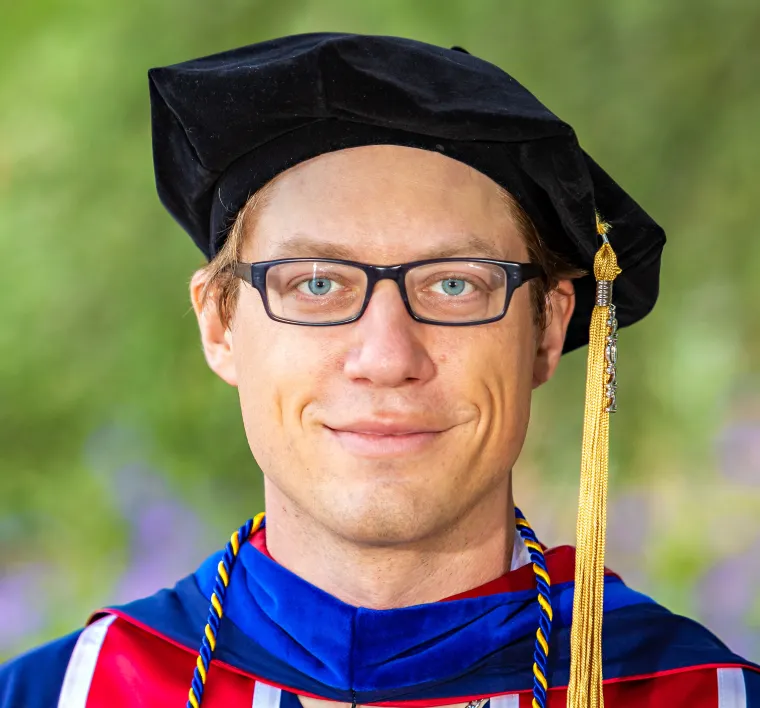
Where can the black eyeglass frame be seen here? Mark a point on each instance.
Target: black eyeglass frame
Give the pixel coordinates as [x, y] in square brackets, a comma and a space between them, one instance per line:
[518, 274]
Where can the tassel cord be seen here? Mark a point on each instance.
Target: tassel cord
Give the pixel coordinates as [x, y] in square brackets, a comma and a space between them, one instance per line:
[585, 686]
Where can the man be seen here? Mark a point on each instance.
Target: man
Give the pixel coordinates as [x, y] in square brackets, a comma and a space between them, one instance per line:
[402, 242]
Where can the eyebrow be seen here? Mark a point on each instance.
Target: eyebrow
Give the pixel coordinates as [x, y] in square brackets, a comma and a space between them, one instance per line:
[304, 246]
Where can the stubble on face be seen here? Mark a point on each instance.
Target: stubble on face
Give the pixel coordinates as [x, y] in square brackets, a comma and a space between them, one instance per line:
[467, 388]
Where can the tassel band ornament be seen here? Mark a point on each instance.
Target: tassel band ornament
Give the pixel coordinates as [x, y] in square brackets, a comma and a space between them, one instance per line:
[604, 299]
[604, 293]
[610, 356]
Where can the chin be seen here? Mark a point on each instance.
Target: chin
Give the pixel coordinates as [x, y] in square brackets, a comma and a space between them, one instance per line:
[386, 512]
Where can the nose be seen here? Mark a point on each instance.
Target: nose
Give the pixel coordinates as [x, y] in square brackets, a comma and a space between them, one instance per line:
[387, 350]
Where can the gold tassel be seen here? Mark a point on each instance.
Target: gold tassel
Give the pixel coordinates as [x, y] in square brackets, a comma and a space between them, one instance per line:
[585, 687]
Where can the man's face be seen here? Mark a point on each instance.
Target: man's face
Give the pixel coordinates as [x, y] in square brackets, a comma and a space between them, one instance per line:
[384, 430]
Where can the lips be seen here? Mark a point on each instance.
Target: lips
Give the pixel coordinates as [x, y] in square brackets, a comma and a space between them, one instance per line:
[384, 438]
[374, 427]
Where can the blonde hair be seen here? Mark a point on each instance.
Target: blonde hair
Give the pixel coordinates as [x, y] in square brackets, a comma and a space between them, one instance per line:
[220, 283]
[554, 267]
[222, 286]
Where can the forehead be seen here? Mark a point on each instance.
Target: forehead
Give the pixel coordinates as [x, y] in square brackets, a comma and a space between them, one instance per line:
[383, 202]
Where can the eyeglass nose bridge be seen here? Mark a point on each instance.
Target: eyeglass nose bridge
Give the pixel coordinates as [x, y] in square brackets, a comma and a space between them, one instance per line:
[396, 273]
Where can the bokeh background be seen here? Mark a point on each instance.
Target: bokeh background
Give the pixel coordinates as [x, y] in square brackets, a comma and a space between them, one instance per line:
[122, 458]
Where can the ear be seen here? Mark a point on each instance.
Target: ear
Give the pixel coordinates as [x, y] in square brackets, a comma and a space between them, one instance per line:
[559, 308]
[215, 337]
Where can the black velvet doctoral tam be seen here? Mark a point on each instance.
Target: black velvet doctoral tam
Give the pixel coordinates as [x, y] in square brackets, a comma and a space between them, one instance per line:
[226, 124]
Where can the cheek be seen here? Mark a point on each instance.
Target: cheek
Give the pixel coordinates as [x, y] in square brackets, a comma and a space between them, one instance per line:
[494, 369]
[279, 368]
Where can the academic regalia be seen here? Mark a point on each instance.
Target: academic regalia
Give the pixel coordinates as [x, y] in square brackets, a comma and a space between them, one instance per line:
[281, 636]
[243, 630]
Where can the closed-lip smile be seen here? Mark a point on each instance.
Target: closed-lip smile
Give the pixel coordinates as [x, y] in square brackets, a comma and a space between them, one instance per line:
[374, 438]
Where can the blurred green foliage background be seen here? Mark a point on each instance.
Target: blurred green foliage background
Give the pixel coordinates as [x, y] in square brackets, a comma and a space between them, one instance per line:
[122, 458]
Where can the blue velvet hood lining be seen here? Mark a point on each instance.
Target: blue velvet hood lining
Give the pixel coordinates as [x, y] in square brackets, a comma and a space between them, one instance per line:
[258, 637]
[365, 650]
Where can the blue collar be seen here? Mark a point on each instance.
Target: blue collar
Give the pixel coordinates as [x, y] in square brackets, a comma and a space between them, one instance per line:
[360, 649]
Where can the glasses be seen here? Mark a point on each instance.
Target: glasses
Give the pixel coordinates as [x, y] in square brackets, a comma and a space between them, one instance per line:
[442, 291]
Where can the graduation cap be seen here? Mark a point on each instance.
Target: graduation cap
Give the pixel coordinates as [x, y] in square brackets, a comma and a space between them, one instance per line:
[225, 125]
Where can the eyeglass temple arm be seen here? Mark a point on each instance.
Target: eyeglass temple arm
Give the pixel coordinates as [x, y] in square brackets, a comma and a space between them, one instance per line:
[528, 271]
[243, 270]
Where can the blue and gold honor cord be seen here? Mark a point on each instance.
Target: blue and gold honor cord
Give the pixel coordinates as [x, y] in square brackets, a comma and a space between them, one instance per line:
[210, 633]
[244, 533]
[543, 585]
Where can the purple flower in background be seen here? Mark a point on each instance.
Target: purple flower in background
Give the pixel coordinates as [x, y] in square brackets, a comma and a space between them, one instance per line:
[22, 603]
[738, 443]
[166, 543]
[166, 538]
[725, 597]
[739, 452]
[629, 519]
[629, 522]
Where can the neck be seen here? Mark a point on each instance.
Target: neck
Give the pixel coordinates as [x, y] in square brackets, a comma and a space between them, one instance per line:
[477, 549]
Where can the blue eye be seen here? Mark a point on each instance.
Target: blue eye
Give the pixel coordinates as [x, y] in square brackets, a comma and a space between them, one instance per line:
[453, 286]
[317, 286]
